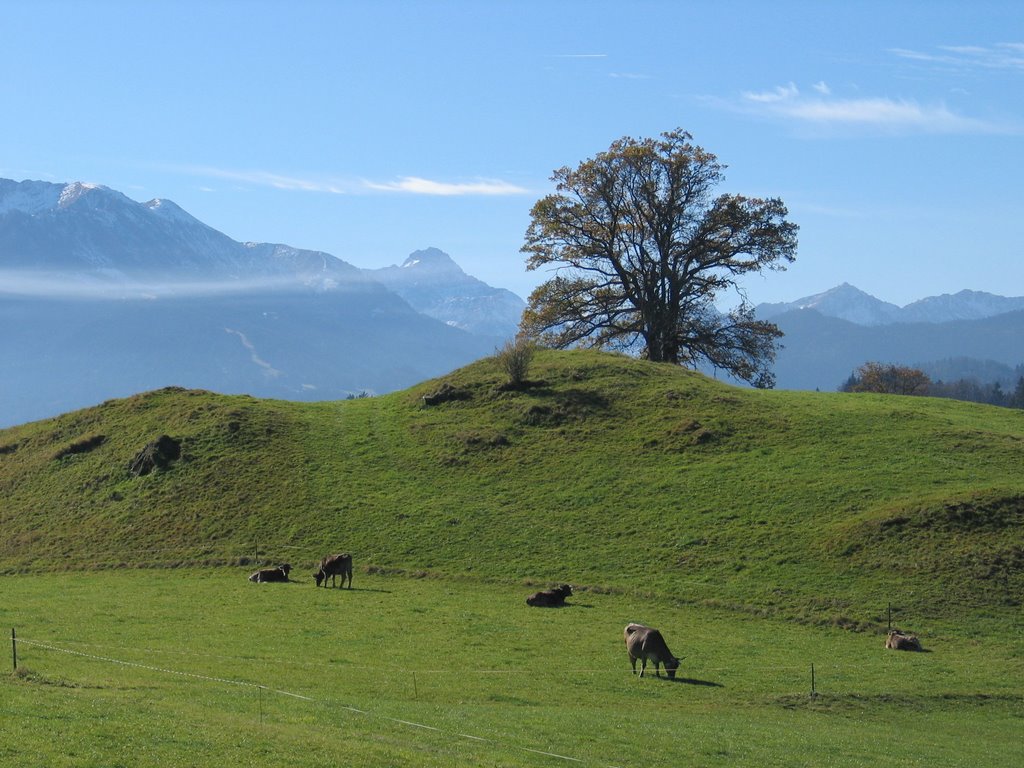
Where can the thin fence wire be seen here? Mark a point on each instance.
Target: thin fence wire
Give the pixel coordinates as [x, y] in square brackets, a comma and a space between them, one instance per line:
[257, 686]
[151, 668]
[389, 668]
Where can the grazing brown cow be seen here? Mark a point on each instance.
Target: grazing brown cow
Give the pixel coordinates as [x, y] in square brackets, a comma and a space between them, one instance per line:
[647, 644]
[550, 598]
[901, 641]
[332, 566]
[271, 574]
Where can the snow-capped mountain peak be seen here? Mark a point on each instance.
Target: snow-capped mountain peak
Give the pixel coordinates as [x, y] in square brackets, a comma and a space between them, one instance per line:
[431, 260]
[847, 302]
[963, 305]
[85, 229]
[844, 301]
[170, 210]
[28, 197]
[75, 191]
[435, 285]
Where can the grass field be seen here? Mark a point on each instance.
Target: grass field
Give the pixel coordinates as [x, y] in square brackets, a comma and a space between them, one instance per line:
[203, 668]
[762, 531]
[609, 472]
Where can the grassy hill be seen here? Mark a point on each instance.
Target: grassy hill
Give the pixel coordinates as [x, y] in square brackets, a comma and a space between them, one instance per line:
[611, 473]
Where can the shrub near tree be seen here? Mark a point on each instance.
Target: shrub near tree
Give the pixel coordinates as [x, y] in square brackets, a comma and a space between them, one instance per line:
[642, 249]
[887, 379]
[515, 358]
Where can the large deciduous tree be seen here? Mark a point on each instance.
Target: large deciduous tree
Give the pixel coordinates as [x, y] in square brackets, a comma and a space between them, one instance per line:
[641, 249]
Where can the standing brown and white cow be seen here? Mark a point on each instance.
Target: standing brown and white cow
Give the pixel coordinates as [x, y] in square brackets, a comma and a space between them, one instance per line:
[647, 644]
[335, 565]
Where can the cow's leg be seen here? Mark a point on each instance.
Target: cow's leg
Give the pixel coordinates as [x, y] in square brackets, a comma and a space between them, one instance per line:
[643, 666]
[632, 660]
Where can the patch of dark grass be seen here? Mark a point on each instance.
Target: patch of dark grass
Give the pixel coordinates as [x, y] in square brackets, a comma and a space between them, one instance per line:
[80, 446]
[481, 441]
[855, 702]
[29, 677]
[521, 386]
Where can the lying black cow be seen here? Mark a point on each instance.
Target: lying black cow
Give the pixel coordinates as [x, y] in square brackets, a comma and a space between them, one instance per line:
[271, 574]
[333, 566]
[550, 598]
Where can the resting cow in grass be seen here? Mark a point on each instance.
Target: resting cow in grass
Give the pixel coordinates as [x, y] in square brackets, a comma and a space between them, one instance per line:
[901, 641]
[333, 566]
[647, 644]
[271, 574]
[550, 598]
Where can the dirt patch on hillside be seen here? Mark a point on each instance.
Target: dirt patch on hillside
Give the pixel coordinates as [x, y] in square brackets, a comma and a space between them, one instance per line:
[157, 454]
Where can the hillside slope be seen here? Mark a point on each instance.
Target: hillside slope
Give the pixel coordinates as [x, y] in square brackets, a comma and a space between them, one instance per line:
[608, 472]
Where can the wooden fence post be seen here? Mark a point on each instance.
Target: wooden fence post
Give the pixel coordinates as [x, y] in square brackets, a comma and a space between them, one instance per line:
[814, 691]
[14, 648]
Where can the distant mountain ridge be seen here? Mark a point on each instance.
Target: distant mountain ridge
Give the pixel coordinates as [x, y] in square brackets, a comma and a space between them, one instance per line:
[102, 297]
[820, 352]
[98, 238]
[91, 232]
[847, 302]
[436, 286]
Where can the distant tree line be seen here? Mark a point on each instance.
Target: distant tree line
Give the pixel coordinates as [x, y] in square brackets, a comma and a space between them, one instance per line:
[975, 391]
[889, 379]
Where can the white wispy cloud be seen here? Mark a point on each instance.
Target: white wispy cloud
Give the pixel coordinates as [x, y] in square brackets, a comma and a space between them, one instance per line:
[419, 186]
[268, 179]
[405, 184]
[780, 93]
[1005, 56]
[878, 113]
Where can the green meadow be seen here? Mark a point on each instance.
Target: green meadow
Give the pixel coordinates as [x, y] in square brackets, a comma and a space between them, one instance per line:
[201, 667]
[764, 532]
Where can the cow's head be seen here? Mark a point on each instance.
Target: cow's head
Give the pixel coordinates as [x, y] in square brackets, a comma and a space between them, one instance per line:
[319, 576]
[671, 666]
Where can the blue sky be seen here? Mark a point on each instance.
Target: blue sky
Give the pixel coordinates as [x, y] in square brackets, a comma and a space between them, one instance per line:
[894, 131]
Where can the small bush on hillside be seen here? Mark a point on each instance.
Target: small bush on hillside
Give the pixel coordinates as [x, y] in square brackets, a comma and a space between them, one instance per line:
[515, 358]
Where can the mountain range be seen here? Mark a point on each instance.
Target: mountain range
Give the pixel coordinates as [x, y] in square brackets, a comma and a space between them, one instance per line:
[435, 285]
[846, 302]
[102, 296]
[830, 334]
